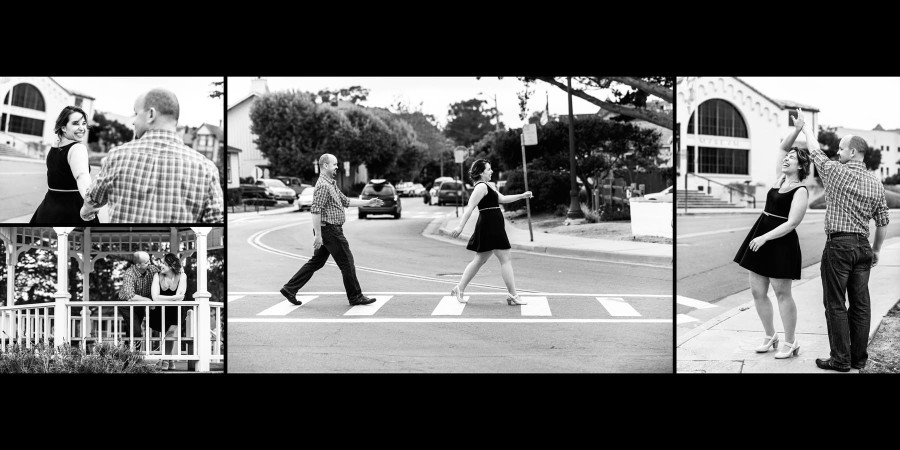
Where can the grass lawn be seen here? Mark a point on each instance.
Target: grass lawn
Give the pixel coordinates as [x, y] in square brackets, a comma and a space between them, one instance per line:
[884, 350]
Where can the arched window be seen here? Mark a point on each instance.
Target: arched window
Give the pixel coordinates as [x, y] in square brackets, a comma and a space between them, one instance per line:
[719, 118]
[26, 96]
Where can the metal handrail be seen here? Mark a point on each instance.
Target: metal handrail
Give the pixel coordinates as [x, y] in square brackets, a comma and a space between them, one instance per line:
[730, 189]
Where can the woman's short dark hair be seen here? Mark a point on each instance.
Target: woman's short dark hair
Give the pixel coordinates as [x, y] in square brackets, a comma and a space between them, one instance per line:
[172, 261]
[477, 169]
[803, 161]
[63, 118]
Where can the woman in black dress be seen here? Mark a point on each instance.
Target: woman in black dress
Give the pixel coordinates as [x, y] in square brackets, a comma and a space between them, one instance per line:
[771, 251]
[68, 173]
[169, 284]
[490, 233]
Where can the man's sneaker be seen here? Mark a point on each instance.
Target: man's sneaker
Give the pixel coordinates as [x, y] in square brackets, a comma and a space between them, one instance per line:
[362, 300]
[290, 298]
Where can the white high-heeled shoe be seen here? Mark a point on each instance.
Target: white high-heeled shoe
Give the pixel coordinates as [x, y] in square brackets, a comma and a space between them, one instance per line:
[789, 350]
[459, 295]
[770, 344]
[514, 300]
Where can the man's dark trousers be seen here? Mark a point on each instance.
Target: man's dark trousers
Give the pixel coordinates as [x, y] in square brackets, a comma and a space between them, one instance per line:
[335, 244]
[845, 267]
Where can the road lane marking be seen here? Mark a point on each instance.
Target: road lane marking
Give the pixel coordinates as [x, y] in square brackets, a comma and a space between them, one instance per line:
[682, 318]
[371, 308]
[617, 307]
[442, 293]
[285, 307]
[446, 320]
[693, 303]
[449, 306]
[536, 306]
[732, 230]
[232, 298]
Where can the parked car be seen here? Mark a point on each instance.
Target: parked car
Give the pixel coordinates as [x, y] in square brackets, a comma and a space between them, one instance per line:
[664, 195]
[385, 191]
[403, 188]
[305, 199]
[452, 192]
[433, 192]
[281, 191]
[252, 194]
[417, 190]
[293, 182]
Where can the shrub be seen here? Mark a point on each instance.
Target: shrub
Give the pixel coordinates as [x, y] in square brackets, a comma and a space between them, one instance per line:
[893, 179]
[234, 196]
[549, 189]
[101, 358]
[562, 210]
[608, 213]
[590, 216]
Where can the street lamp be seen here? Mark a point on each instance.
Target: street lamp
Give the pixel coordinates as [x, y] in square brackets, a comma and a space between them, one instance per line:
[497, 124]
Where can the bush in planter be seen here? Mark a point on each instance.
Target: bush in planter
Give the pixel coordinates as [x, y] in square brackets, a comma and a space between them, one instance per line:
[549, 189]
[608, 213]
[101, 358]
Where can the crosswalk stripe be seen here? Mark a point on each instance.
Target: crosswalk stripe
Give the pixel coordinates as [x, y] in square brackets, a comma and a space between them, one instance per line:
[232, 298]
[371, 308]
[617, 307]
[537, 306]
[694, 303]
[684, 318]
[443, 320]
[449, 306]
[285, 307]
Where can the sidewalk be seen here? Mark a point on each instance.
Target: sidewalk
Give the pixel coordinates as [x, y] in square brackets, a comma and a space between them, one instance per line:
[725, 211]
[725, 344]
[27, 160]
[560, 245]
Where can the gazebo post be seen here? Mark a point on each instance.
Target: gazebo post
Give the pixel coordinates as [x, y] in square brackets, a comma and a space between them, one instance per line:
[87, 266]
[202, 296]
[61, 314]
[11, 260]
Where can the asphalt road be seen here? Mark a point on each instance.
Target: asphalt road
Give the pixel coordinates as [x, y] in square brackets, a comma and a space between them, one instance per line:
[22, 188]
[706, 245]
[598, 317]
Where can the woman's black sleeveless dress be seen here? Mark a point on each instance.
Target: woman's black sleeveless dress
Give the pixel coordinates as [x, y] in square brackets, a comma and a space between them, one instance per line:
[171, 311]
[777, 258]
[490, 231]
[61, 207]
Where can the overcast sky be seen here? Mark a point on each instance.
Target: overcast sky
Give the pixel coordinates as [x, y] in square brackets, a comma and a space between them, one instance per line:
[435, 93]
[117, 95]
[861, 102]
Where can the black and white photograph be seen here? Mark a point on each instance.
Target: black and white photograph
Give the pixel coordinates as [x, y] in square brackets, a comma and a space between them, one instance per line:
[108, 299]
[788, 225]
[450, 224]
[95, 150]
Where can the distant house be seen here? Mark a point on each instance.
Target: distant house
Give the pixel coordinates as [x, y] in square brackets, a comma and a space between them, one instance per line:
[209, 140]
[252, 163]
[29, 110]
[233, 169]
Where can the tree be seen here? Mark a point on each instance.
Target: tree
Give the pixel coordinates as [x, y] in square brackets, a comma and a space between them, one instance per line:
[217, 92]
[601, 146]
[352, 94]
[632, 103]
[467, 122]
[373, 143]
[872, 159]
[108, 133]
[434, 144]
[292, 131]
[829, 141]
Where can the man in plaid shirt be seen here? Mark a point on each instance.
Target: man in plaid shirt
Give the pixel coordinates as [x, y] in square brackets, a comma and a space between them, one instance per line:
[853, 197]
[156, 178]
[136, 285]
[327, 212]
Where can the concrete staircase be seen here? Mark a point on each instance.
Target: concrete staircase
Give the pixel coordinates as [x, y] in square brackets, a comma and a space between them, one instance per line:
[6, 150]
[697, 199]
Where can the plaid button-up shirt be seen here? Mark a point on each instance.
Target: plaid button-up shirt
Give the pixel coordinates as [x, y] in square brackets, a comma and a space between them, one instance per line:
[329, 201]
[135, 283]
[853, 196]
[158, 179]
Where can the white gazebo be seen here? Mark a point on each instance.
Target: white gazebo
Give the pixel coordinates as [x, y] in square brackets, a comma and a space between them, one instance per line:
[92, 321]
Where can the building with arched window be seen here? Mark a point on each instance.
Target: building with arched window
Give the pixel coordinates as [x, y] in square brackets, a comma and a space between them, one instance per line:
[730, 137]
[29, 110]
[886, 141]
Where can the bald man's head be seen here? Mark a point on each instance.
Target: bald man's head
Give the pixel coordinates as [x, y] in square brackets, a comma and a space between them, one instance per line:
[164, 101]
[141, 257]
[852, 148]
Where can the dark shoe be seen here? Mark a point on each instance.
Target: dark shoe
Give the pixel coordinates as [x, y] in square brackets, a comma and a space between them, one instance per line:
[857, 366]
[362, 300]
[290, 298]
[827, 365]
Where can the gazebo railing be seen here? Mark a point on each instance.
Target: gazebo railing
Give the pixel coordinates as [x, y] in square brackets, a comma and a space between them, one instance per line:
[26, 324]
[92, 323]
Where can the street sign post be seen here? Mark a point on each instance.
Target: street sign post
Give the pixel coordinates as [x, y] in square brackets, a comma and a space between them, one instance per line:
[526, 140]
[459, 156]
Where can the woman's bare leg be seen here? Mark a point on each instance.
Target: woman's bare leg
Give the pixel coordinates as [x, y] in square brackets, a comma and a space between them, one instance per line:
[472, 269]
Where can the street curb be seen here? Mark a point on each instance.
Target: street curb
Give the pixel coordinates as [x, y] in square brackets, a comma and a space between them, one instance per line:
[435, 230]
[273, 212]
[25, 160]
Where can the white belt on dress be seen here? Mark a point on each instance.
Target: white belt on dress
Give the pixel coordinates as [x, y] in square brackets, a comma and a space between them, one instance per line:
[484, 209]
[775, 215]
[63, 190]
